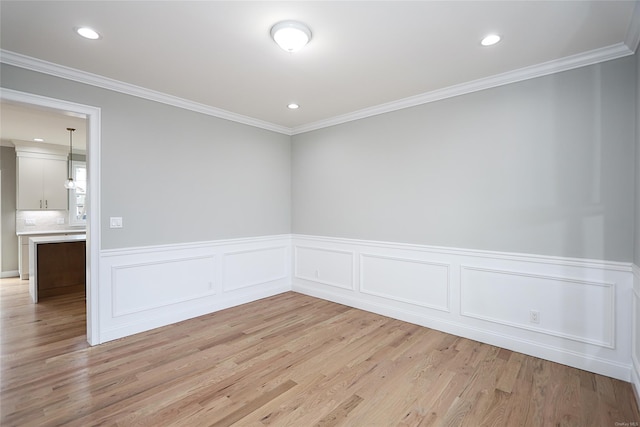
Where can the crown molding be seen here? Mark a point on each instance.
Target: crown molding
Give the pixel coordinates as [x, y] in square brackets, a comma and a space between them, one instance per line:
[633, 34]
[564, 64]
[34, 64]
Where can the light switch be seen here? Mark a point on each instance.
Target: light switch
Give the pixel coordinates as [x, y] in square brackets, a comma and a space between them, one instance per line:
[29, 221]
[115, 222]
[60, 221]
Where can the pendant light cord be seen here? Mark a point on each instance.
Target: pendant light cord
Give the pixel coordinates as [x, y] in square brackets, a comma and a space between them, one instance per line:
[71, 130]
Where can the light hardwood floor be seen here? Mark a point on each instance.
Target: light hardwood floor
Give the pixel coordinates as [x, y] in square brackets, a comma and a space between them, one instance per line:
[288, 360]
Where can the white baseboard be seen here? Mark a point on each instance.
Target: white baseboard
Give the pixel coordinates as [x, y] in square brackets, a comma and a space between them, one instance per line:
[635, 355]
[10, 273]
[482, 295]
[145, 288]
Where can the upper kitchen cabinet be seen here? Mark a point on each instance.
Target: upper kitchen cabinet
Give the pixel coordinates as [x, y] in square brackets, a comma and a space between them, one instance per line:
[40, 179]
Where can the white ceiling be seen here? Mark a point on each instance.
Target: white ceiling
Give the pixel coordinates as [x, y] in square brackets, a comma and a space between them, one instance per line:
[21, 123]
[363, 55]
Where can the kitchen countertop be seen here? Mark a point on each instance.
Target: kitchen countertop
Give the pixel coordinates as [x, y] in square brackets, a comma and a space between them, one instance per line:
[37, 232]
[57, 239]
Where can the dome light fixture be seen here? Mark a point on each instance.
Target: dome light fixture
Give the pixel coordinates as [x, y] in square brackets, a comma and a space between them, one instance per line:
[88, 33]
[291, 35]
[490, 40]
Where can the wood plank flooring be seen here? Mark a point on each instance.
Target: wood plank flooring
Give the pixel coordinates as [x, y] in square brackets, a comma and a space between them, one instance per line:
[288, 360]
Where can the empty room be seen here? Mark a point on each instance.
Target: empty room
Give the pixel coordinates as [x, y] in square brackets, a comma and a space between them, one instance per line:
[369, 213]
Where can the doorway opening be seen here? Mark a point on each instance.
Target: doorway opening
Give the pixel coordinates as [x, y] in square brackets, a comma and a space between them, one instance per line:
[92, 199]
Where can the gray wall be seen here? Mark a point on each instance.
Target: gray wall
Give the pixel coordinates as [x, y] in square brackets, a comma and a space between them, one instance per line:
[637, 194]
[544, 166]
[9, 240]
[177, 176]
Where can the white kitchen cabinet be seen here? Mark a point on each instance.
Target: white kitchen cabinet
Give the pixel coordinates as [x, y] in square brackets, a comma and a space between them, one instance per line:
[40, 183]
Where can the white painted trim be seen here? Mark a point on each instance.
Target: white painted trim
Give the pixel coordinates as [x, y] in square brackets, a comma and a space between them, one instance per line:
[191, 245]
[322, 281]
[609, 355]
[564, 64]
[633, 34]
[93, 199]
[41, 66]
[549, 352]
[9, 273]
[446, 309]
[41, 155]
[34, 149]
[201, 265]
[635, 357]
[282, 276]
[114, 289]
[610, 286]
[511, 256]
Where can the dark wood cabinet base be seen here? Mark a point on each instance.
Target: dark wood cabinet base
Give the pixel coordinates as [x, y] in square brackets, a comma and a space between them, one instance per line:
[61, 268]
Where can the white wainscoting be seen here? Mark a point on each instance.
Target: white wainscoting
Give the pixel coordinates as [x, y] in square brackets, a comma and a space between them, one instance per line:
[583, 306]
[144, 288]
[484, 292]
[327, 266]
[411, 281]
[635, 374]
[246, 268]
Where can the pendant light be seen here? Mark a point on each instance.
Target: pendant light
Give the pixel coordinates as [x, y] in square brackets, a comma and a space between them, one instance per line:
[70, 183]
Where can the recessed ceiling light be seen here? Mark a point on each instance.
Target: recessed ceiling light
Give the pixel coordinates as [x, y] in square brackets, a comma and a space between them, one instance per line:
[293, 106]
[38, 139]
[490, 40]
[291, 35]
[88, 33]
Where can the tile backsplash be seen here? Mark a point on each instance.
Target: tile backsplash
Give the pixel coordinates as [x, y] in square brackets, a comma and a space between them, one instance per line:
[49, 220]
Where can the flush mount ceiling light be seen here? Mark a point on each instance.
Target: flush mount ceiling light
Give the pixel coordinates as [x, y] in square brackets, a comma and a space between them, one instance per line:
[38, 139]
[490, 40]
[88, 33]
[293, 106]
[291, 35]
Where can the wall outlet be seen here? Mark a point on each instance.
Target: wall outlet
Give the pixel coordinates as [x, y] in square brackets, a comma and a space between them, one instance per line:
[59, 221]
[115, 222]
[534, 316]
[29, 221]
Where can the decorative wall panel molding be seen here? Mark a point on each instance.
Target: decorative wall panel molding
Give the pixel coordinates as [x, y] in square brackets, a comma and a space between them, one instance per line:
[148, 287]
[581, 308]
[411, 281]
[326, 266]
[253, 267]
[510, 297]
